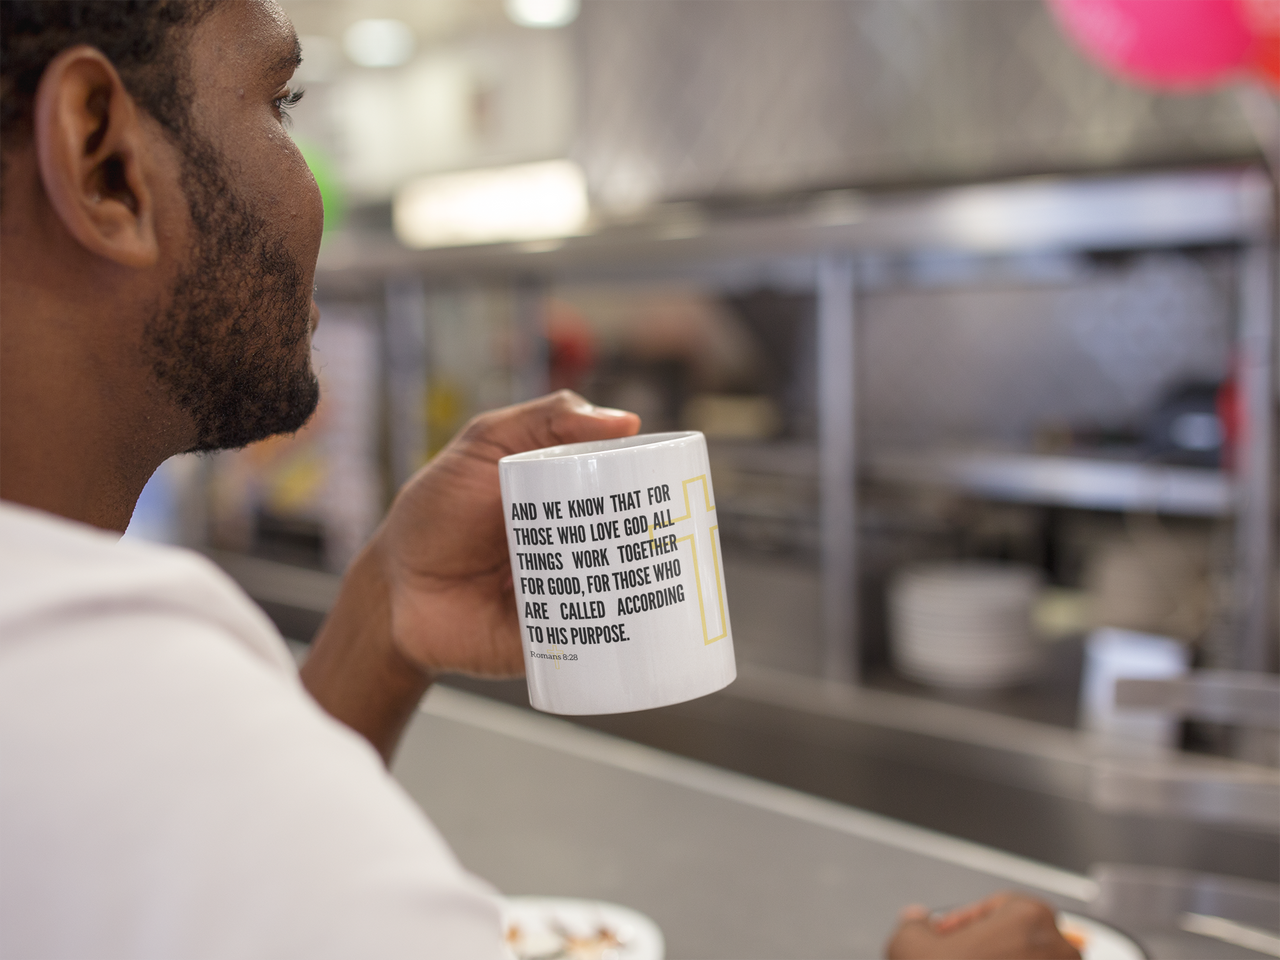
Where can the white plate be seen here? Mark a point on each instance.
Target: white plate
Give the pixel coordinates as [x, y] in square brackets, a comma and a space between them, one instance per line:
[961, 656]
[952, 647]
[1101, 942]
[962, 641]
[912, 618]
[562, 928]
[966, 664]
[1006, 675]
[961, 628]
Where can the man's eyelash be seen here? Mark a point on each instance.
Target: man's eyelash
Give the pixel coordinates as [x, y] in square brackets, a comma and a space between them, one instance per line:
[288, 101]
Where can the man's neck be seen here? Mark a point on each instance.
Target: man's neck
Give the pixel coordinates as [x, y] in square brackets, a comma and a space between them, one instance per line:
[77, 480]
[79, 434]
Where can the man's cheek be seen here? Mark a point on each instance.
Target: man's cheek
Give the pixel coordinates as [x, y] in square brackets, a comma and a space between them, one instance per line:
[317, 207]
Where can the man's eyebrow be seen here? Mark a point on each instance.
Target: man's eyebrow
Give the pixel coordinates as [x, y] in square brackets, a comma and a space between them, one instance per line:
[288, 62]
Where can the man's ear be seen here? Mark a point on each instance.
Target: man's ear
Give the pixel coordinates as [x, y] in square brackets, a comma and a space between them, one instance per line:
[90, 148]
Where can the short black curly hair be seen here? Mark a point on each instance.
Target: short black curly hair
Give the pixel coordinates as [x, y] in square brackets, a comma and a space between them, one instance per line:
[142, 38]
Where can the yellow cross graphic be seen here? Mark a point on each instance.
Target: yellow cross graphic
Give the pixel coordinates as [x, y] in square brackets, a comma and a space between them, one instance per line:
[715, 559]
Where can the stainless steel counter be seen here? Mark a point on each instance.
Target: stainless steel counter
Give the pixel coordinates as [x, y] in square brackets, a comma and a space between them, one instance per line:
[728, 866]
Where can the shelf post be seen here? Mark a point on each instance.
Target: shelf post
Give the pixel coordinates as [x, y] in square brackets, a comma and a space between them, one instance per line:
[837, 467]
[1254, 647]
[531, 376]
[405, 302]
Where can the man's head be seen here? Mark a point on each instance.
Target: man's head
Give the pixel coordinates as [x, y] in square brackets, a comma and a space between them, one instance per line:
[160, 229]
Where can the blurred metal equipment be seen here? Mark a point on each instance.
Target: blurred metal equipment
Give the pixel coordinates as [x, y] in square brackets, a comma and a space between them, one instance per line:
[1240, 795]
[837, 467]
[875, 91]
[1130, 212]
[1222, 696]
[530, 347]
[1245, 795]
[1085, 482]
[1256, 499]
[1148, 898]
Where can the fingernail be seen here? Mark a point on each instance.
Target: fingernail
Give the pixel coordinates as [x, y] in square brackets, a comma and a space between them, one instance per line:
[914, 911]
[609, 412]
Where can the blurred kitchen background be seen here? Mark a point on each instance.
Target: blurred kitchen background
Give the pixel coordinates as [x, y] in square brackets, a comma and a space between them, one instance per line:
[982, 338]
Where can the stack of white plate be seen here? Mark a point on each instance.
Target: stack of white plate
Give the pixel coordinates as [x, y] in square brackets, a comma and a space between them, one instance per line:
[964, 625]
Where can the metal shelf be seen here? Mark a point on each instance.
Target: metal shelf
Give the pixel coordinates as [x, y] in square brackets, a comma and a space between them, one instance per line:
[832, 243]
[1083, 482]
[1225, 205]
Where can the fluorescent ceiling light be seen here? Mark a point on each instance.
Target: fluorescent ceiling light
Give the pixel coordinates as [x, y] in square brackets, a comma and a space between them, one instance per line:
[532, 201]
[379, 43]
[542, 13]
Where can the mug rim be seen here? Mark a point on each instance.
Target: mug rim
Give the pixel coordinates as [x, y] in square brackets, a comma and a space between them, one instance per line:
[596, 448]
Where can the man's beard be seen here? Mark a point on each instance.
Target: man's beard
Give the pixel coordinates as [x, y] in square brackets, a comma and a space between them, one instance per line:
[230, 345]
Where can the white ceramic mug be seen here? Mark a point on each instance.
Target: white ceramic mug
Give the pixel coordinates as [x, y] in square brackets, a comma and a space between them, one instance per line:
[619, 579]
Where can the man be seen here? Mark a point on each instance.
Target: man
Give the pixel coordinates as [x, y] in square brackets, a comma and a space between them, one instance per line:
[167, 786]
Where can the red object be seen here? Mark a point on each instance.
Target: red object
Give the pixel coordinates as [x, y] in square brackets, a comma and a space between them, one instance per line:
[1168, 44]
[1231, 416]
[1266, 62]
[1263, 18]
[571, 345]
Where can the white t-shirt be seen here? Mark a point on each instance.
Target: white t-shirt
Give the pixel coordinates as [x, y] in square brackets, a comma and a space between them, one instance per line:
[168, 789]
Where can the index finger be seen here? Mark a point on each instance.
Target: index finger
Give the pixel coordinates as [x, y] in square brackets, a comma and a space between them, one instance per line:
[558, 418]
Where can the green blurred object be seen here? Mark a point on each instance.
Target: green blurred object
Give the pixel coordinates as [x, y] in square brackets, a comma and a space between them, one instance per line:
[331, 191]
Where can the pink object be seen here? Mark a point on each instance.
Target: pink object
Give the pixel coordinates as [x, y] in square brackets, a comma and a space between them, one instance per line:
[1263, 16]
[1177, 44]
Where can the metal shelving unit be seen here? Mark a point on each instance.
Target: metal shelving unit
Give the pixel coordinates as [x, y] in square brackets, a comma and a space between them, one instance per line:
[1087, 483]
[829, 242]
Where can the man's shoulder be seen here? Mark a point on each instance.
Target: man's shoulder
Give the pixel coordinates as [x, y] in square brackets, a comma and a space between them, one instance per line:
[54, 571]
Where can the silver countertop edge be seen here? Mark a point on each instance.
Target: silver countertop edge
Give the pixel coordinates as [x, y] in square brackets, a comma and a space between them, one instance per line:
[566, 737]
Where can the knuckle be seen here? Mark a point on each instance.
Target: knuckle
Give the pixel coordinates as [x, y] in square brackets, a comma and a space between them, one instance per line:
[1035, 911]
[1045, 912]
[479, 425]
[564, 402]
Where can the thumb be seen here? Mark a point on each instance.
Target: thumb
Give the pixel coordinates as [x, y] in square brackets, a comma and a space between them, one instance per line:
[558, 418]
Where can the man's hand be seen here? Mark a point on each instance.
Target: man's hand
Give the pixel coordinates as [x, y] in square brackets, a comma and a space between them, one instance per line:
[431, 592]
[1006, 926]
[444, 543]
